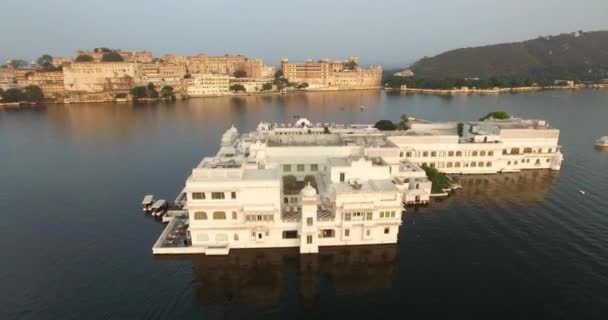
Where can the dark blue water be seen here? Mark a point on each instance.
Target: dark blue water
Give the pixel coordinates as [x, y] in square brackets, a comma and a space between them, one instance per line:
[74, 244]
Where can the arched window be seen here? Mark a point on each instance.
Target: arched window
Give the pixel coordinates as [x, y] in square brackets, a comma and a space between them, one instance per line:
[450, 153]
[488, 164]
[233, 215]
[482, 153]
[480, 164]
[401, 154]
[236, 237]
[490, 153]
[457, 164]
[433, 154]
[459, 153]
[449, 164]
[200, 215]
[219, 215]
[408, 154]
[473, 164]
[425, 154]
[474, 154]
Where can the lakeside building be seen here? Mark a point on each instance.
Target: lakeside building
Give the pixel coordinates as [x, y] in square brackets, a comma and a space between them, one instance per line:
[251, 84]
[315, 185]
[61, 61]
[50, 82]
[162, 73]
[226, 64]
[209, 85]
[98, 81]
[335, 74]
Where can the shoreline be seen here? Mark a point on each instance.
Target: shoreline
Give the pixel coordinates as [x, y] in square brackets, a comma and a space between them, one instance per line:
[494, 91]
[297, 91]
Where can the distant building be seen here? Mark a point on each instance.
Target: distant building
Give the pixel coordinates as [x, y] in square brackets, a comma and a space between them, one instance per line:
[342, 74]
[98, 81]
[60, 61]
[128, 56]
[251, 84]
[209, 84]
[161, 73]
[50, 82]
[404, 73]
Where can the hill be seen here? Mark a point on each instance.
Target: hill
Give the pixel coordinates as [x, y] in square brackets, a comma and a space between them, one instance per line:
[578, 56]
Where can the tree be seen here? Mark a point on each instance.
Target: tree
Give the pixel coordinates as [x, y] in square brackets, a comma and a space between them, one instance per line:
[404, 123]
[46, 62]
[83, 58]
[278, 74]
[167, 93]
[237, 87]
[440, 180]
[152, 93]
[460, 128]
[111, 56]
[303, 85]
[12, 95]
[310, 179]
[499, 115]
[33, 93]
[187, 76]
[290, 184]
[240, 74]
[18, 63]
[385, 125]
[351, 65]
[267, 86]
[139, 92]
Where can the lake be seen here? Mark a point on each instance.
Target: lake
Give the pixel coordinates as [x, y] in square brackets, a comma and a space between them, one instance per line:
[75, 244]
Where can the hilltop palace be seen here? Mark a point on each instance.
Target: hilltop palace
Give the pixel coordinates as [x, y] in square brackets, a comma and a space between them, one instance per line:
[313, 185]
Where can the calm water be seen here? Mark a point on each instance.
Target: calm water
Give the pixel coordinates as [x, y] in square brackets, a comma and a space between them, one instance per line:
[74, 244]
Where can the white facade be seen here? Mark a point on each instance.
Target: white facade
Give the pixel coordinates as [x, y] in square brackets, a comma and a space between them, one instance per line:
[316, 185]
[209, 84]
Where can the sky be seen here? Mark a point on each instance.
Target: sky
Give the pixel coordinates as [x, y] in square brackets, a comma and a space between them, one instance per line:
[390, 33]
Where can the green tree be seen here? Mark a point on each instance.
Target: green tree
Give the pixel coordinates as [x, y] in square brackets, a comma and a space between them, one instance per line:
[111, 56]
[385, 125]
[351, 65]
[152, 93]
[500, 115]
[45, 62]
[278, 74]
[33, 93]
[440, 180]
[310, 179]
[18, 63]
[167, 93]
[404, 122]
[83, 58]
[139, 92]
[12, 95]
[267, 86]
[290, 184]
[302, 85]
[460, 128]
[237, 87]
[187, 76]
[240, 74]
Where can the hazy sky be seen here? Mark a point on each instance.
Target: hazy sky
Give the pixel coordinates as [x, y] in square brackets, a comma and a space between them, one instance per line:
[379, 32]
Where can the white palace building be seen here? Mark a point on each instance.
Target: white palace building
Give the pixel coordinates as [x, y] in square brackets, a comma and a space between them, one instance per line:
[313, 185]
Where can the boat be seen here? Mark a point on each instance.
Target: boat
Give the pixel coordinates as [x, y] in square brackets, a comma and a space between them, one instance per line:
[602, 142]
[159, 208]
[147, 202]
[362, 108]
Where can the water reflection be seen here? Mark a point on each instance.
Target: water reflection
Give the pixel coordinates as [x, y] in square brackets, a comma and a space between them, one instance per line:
[261, 277]
[520, 188]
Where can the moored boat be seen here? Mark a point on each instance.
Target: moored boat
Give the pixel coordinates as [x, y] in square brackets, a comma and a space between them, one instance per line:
[147, 202]
[602, 142]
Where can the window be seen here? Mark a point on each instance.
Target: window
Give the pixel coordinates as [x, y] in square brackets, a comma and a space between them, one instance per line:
[474, 154]
[233, 195]
[314, 167]
[300, 168]
[473, 164]
[233, 215]
[408, 154]
[459, 153]
[488, 164]
[550, 150]
[236, 237]
[286, 168]
[480, 164]
[200, 215]
[369, 216]
[347, 232]
[217, 195]
[342, 176]
[482, 153]
[347, 216]
[425, 154]
[548, 160]
[368, 232]
[433, 154]
[457, 164]
[527, 150]
[490, 153]
[386, 230]
[401, 154]
[381, 214]
[508, 163]
[514, 150]
[450, 153]
[285, 200]
[393, 214]
[290, 234]
[219, 215]
[309, 222]
[198, 195]
[309, 239]
[449, 165]
[328, 233]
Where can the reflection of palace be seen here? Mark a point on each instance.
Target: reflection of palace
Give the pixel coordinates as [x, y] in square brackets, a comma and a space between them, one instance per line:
[523, 188]
[261, 277]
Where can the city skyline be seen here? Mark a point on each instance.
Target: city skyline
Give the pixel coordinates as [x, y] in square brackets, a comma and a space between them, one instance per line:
[272, 30]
